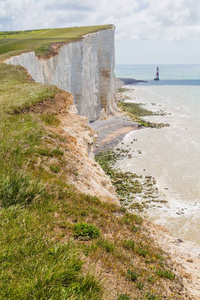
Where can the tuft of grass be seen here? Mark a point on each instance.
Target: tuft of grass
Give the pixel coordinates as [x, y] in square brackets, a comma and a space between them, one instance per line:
[129, 244]
[142, 251]
[86, 231]
[151, 296]
[129, 218]
[151, 279]
[17, 188]
[57, 152]
[55, 169]
[105, 244]
[50, 152]
[124, 297]
[131, 275]
[140, 286]
[50, 120]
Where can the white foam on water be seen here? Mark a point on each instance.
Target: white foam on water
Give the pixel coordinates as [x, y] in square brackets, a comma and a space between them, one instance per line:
[171, 155]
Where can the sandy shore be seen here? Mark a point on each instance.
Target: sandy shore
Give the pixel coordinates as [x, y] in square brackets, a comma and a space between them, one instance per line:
[185, 255]
[112, 131]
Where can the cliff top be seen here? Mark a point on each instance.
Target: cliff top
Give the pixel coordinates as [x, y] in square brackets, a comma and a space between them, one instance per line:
[40, 41]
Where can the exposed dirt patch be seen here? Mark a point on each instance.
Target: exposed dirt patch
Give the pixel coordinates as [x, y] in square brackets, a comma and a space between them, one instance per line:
[60, 104]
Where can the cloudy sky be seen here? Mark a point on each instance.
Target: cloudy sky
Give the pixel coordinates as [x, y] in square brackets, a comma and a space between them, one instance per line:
[147, 31]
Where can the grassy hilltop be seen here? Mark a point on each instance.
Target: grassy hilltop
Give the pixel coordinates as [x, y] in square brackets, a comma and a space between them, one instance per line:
[55, 242]
[15, 42]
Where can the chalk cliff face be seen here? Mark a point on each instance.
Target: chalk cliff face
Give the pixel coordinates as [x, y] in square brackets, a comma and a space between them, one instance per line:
[84, 68]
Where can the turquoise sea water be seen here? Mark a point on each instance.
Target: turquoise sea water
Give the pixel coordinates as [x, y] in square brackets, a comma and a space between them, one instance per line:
[167, 72]
[170, 154]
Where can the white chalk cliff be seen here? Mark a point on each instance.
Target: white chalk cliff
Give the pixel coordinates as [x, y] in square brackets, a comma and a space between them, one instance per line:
[85, 68]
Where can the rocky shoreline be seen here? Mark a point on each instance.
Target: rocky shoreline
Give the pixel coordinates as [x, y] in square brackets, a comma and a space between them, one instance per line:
[128, 81]
[185, 255]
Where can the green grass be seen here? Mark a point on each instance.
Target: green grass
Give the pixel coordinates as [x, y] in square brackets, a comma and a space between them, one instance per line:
[16, 42]
[17, 188]
[34, 265]
[45, 252]
[17, 91]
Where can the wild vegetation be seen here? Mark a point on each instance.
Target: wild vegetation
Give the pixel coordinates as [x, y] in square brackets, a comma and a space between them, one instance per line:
[137, 112]
[57, 243]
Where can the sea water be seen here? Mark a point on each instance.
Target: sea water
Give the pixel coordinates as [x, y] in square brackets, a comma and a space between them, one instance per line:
[170, 154]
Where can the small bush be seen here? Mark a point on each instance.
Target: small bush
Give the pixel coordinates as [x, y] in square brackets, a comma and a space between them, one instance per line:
[86, 231]
[132, 275]
[166, 274]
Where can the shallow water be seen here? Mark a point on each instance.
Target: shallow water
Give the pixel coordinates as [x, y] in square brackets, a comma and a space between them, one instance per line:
[170, 154]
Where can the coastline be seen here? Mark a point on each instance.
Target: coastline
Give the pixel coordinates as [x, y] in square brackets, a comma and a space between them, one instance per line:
[185, 255]
[111, 131]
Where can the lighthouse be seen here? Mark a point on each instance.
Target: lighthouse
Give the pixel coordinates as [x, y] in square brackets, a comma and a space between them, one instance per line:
[157, 74]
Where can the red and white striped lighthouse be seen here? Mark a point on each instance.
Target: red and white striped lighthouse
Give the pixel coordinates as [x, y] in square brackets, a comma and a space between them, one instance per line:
[157, 74]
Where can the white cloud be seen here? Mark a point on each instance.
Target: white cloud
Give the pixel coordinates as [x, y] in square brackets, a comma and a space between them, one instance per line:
[134, 19]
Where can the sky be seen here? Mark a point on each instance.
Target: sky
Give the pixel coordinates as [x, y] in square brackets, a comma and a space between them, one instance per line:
[147, 31]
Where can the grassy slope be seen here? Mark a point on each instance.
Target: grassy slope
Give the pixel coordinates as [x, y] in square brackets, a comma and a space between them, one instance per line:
[40, 40]
[42, 255]
[18, 91]
[47, 248]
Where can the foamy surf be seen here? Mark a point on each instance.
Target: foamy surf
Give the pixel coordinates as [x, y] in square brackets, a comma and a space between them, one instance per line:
[171, 155]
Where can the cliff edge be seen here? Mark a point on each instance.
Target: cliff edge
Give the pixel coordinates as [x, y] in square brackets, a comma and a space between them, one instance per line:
[84, 67]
